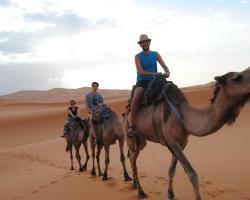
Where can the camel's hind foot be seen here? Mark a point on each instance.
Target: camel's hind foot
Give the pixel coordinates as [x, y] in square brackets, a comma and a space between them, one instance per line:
[80, 169]
[126, 177]
[105, 176]
[142, 195]
[84, 168]
[170, 195]
[93, 173]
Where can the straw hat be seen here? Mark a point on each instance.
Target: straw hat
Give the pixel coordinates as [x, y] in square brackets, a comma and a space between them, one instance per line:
[143, 37]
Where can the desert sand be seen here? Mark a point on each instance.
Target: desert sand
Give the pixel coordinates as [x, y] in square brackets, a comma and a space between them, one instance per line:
[35, 166]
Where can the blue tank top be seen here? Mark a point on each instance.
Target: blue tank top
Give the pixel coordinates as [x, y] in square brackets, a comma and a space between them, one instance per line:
[148, 63]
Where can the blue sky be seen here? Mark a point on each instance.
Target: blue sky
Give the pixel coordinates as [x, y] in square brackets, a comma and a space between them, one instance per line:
[59, 43]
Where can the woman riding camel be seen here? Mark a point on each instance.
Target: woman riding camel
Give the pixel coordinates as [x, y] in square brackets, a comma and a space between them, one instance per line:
[146, 67]
[73, 112]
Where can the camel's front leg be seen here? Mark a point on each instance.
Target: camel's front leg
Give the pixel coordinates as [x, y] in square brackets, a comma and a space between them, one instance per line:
[85, 145]
[133, 158]
[122, 158]
[178, 153]
[93, 173]
[78, 157]
[105, 174]
[69, 148]
[99, 148]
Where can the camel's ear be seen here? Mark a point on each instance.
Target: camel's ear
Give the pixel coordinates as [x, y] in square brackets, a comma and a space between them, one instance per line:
[220, 80]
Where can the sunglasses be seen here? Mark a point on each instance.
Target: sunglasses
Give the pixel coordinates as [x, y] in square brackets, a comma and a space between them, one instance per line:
[95, 86]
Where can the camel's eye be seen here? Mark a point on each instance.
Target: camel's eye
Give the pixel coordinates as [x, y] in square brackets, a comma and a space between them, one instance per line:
[238, 78]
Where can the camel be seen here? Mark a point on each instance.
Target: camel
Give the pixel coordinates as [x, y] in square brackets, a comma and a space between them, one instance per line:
[160, 123]
[107, 131]
[78, 135]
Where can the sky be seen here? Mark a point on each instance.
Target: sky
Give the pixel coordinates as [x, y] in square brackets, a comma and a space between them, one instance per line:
[47, 44]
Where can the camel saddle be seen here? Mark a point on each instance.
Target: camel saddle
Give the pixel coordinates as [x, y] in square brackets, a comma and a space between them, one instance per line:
[159, 90]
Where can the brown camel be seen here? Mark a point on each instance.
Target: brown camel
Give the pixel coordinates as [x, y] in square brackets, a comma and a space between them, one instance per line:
[161, 123]
[78, 135]
[108, 131]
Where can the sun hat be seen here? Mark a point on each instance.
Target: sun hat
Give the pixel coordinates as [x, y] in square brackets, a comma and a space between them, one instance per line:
[143, 37]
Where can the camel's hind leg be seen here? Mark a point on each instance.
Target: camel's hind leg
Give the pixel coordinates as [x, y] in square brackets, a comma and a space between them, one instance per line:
[78, 157]
[85, 145]
[178, 153]
[171, 173]
[122, 158]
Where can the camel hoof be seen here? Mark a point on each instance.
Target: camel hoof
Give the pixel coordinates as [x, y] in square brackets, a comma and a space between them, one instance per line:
[170, 195]
[80, 169]
[84, 168]
[93, 173]
[134, 185]
[72, 168]
[126, 177]
[100, 174]
[142, 195]
[105, 177]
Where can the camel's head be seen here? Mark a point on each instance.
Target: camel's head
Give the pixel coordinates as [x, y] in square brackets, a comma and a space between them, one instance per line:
[234, 84]
[235, 87]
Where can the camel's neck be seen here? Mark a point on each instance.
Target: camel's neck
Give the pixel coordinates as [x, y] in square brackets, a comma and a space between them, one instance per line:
[202, 122]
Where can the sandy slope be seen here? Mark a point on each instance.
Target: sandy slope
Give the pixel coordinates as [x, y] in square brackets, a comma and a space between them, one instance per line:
[34, 165]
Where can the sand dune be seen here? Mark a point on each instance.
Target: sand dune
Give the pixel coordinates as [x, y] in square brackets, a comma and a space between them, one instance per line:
[59, 95]
[35, 166]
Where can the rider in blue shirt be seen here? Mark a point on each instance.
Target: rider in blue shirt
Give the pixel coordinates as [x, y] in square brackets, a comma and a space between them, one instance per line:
[146, 67]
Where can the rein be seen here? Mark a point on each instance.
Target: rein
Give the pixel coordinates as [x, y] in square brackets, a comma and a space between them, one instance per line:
[173, 108]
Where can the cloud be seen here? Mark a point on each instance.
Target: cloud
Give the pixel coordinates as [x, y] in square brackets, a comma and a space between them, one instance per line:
[23, 76]
[244, 1]
[68, 22]
[17, 42]
[42, 26]
[18, 76]
[4, 3]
